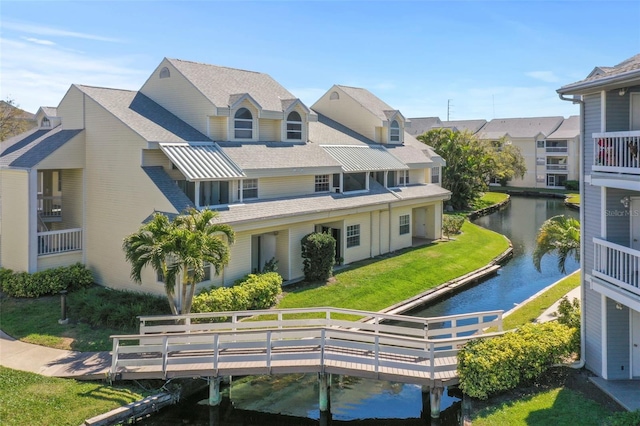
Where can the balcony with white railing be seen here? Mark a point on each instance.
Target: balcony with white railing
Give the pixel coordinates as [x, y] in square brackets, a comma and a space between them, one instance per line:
[617, 152]
[50, 208]
[557, 149]
[556, 167]
[616, 264]
[56, 242]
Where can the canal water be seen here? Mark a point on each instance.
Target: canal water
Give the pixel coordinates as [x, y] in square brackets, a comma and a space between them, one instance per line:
[293, 399]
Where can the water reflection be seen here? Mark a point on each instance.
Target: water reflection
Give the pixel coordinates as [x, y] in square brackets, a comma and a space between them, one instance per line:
[293, 399]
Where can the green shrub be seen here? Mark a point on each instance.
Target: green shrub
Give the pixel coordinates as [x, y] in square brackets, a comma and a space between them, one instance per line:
[569, 315]
[572, 185]
[319, 253]
[50, 281]
[451, 224]
[624, 418]
[255, 291]
[497, 364]
[104, 307]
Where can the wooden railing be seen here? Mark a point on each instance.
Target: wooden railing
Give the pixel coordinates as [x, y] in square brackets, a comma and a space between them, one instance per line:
[410, 349]
[66, 240]
[617, 264]
[617, 152]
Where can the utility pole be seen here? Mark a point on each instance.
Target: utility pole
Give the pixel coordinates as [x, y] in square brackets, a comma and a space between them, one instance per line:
[448, 108]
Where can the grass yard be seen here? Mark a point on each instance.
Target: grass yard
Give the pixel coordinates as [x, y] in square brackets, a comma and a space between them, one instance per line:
[560, 406]
[375, 284]
[32, 399]
[573, 199]
[488, 199]
[528, 312]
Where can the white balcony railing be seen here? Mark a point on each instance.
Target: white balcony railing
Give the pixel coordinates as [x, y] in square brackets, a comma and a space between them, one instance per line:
[617, 264]
[556, 167]
[66, 240]
[617, 152]
[556, 149]
[50, 206]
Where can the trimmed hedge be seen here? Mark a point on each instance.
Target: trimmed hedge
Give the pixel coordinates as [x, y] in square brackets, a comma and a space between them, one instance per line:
[319, 254]
[497, 364]
[50, 281]
[255, 291]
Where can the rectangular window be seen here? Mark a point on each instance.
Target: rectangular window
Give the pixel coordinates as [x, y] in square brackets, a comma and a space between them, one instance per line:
[353, 236]
[403, 177]
[435, 175]
[355, 181]
[249, 189]
[294, 131]
[322, 183]
[540, 144]
[391, 179]
[405, 228]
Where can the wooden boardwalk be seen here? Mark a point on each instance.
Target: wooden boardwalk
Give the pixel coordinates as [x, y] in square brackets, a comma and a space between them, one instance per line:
[322, 340]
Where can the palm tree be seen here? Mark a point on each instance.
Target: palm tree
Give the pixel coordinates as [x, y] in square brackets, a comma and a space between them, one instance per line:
[561, 235]
[199, 242]
[180, 248]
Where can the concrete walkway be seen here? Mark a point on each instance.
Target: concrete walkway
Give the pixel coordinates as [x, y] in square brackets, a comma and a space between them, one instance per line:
[52, 362]
[551, 312]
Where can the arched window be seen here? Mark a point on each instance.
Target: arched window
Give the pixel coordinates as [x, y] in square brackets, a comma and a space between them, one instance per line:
[334, 96]
[243, 124]
[394, 131]
[165, 73]
[46, 122]
[294, 126]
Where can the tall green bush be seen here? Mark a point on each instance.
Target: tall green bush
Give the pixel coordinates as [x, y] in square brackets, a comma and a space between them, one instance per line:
[451, 224]
[497, 364]
[50, 281]
[318, 253]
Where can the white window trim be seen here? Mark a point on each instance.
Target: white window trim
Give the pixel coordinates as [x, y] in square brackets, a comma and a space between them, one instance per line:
[439, 169]
[403, 178]
[323, 177]
[399, 132]
[254, 124]
[358, 234]
[407, 225]
[302, 123]
[242, 188]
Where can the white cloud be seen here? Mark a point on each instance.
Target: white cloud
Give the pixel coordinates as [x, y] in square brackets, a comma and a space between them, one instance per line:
[49, 31]
[39, 41]
[37, 75]
[546, 76]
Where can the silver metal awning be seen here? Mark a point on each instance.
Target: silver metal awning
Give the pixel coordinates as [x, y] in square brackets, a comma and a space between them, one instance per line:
[201, 161]
[358, 158]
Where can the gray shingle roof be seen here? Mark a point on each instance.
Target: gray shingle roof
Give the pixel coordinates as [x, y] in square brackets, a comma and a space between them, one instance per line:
[627, 70]
[145, 117]
[31, 148]
[569, 129]
[472, 126]
[296, 206]
[218, 84]
[419, 125]
[198, 161]
[519, 127]
[49, 111]
[168, 187]
[369, 101]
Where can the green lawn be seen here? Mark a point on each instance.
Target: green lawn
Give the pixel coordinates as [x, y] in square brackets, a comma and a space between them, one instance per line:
[558, 407]
[375, 284]
[573, 198]
[32, 399]
[528, 312]
[488, 199]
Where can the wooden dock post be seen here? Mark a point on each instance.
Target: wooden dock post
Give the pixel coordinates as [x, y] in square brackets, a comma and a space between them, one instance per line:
[214, 391]
[324, 394]
[436, 398]
[426, 409]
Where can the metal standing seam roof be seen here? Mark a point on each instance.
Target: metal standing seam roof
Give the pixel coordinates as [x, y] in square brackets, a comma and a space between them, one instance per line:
[354, 158]
[201, 161]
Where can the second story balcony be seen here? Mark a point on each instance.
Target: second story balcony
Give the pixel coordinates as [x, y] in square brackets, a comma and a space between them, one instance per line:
[617, 264]
[617, 152]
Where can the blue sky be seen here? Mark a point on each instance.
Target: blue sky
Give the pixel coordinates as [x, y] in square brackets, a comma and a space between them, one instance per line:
[488, 59]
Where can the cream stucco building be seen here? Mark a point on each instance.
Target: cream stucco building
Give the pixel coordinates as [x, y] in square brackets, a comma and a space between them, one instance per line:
[102, 162]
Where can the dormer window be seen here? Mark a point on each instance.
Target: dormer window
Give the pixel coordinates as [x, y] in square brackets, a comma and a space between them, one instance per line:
[243, 124]
[46, 122]
[294, 126]
[394, 131]
[165, 73]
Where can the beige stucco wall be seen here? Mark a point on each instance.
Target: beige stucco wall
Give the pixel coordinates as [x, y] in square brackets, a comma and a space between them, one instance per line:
[56, 260]
[14, 186]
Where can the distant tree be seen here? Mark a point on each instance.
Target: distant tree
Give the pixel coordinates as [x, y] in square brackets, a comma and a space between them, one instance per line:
[560, 235]
[509, 162]
[470, 163]
[13, 120]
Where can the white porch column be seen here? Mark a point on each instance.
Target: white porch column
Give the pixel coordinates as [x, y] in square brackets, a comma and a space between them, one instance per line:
[33, 220]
